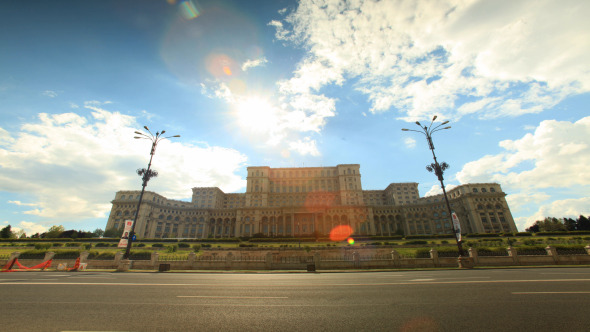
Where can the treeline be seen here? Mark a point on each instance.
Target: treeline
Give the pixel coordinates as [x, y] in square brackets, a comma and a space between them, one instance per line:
[54, 232]
[551, 224]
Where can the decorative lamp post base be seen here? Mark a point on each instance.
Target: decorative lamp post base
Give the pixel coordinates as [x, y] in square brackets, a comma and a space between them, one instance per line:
[465, 262]
[124, 265]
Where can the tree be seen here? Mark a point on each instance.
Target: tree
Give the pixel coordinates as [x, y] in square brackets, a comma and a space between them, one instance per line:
[549, 224]
[583, 224]
[6, 233]
[113, 232]
[534, 228]
[98, 232]
[54, 231]
[570, 224]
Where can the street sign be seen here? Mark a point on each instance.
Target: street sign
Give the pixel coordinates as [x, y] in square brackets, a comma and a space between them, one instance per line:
[125, 236]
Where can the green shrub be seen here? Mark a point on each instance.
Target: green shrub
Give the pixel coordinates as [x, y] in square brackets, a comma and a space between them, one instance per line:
[531, 250]
[172, 248]
[523, 234]
[141, 245]
[484, 251]
[530, 242]
[448, 252]
[73, 244]
[157, 245]
[423, 253]
[33, 254]
[417, 242]
[87, 246]
[184, 245]
[42, 246]
[206, 245]
[485, 235]
[102, 245]
[250, 245]
[56, 244]
[196, 247]
[66, 254]
[140, 255]
[105, 255]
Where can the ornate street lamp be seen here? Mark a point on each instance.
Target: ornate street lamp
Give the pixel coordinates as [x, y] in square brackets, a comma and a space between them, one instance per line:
[146, 175]
[438, 169]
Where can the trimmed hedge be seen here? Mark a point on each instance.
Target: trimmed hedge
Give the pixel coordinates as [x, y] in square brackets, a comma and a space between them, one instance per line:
[106, 255]
[417, 242]
[66, 254]
[33, 254]
[563, 233]
[140, 255]
[485, 251]
[473, 235]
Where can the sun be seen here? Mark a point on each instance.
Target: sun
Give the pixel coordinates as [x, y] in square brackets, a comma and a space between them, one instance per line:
[256, 114]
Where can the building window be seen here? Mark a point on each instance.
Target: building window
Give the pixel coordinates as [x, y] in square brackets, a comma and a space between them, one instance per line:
[474, 190]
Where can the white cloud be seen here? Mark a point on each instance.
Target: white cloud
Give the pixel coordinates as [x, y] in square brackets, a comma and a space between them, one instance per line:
[425, 57]
[410, 142]
[436, 190]
[19, 203]
[555, 156]
[254, 63]
[49, 93]
[71, 165]
[5, 137]
[565, 208]
[560, 151]
[30, 228]
[305, 146]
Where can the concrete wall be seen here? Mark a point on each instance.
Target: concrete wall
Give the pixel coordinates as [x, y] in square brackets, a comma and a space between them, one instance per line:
[334, 259]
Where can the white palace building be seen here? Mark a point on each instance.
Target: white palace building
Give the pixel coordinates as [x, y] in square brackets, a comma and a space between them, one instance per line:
[309, 201]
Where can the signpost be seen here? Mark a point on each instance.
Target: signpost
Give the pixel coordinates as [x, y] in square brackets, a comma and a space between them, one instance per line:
[125, 237]
[457, 226]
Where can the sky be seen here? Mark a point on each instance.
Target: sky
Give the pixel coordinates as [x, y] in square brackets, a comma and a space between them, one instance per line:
[289, 84]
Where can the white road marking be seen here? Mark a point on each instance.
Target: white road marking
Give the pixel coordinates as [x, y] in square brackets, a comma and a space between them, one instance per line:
[422, 280]
[526, 293]
[236, 297]
[294, 285]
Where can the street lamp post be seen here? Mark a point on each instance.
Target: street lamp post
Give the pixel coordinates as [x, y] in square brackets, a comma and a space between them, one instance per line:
[438, 169]
[146, 175]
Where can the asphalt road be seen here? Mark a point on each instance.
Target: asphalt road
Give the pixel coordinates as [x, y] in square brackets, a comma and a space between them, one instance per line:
[539, 299]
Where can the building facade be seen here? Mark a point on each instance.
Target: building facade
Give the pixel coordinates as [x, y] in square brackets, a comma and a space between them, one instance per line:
[309, 201]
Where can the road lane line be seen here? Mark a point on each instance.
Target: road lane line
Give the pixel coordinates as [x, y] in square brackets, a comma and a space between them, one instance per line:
[527, 293]
[294, 285]
[422, 280]
[234, 297]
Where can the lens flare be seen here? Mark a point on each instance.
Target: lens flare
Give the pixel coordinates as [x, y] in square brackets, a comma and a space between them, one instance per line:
[350, 241]
[340, 233]
[188, 10]
[221, 65]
